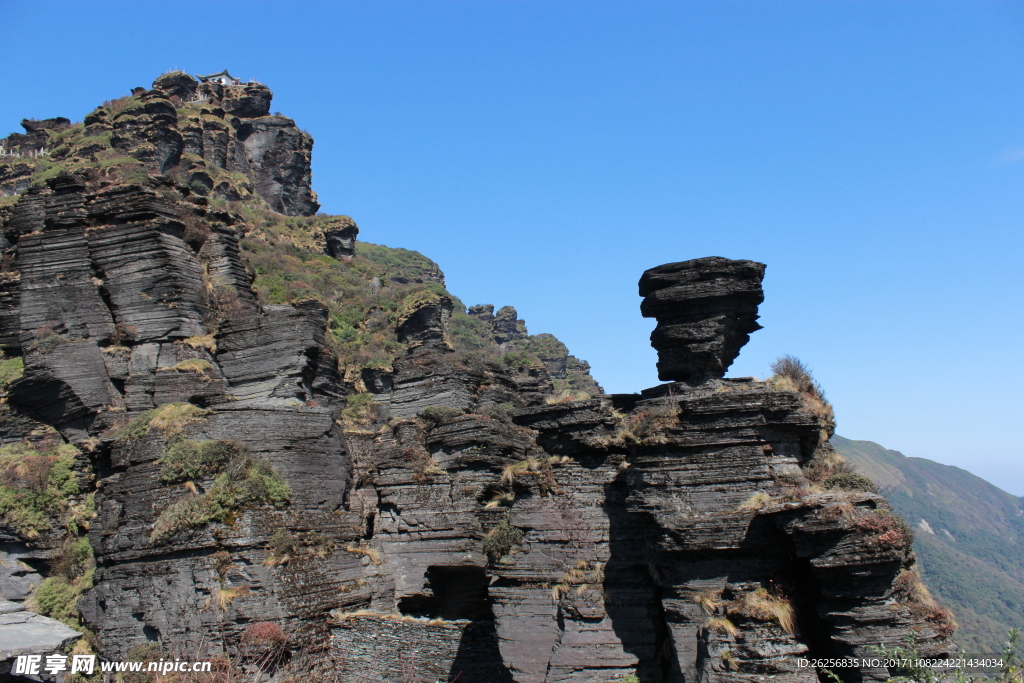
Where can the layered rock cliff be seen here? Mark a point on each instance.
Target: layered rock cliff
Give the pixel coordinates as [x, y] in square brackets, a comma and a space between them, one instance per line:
[303, 455]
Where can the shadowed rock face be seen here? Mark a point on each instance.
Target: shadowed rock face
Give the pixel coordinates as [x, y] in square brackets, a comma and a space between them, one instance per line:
[706, 310]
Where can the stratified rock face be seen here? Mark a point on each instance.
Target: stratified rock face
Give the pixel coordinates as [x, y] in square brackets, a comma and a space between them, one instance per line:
[279, 155]
[706, 310]
[507, 325]
[449, 519]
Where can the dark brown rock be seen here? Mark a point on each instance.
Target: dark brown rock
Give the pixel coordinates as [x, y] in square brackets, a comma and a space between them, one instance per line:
[176, 84]
[279, 154]
[340, 238]
[706, 310]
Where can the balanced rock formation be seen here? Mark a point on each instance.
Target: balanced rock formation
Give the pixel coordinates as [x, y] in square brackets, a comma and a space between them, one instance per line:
[706, 310]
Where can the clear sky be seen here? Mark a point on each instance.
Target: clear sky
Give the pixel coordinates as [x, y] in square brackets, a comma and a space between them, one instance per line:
[546, 153]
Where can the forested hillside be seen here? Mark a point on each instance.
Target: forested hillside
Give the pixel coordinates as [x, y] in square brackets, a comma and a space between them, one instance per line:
[969, 537]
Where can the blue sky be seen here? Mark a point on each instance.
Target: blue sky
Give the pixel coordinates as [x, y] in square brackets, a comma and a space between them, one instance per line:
[546, 153]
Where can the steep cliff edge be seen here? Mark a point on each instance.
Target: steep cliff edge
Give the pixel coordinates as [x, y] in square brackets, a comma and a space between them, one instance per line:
[258, 425]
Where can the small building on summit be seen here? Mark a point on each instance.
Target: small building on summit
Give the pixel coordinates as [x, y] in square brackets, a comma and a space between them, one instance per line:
[222, 77]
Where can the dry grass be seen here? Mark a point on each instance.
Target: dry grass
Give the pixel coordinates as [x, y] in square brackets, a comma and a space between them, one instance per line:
[709, 600]
[790, 374]
[567, 396]
[910, 592]
[205, 341]
[196, 365]
[376, 556]
[540, 469]
[643, 427]
[223, 597]
[757, 501]
[722, 625]
[764, 605]
[840, 509]
[423, 464]
[580, 577]
[116, 350]
[339, 617]
[826, 463]
[501, 498]
[170, 418]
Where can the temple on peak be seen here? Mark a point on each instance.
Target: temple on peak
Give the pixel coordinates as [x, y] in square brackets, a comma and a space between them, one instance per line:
[221, 77]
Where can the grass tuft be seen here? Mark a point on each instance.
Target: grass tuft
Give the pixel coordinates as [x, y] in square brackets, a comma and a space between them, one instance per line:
[500, 540]
[764, 605]
[196, 365]
[722, 625]
[170, 418]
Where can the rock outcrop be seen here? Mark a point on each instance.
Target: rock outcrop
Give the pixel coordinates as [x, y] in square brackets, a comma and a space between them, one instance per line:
[569, 373]
[340, 238]
[706, 310]
[221, 139]
[444, 514]
[26, 633]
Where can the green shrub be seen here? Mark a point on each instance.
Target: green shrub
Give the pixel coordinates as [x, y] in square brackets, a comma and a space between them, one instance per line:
[73, 558]
[35, 486]
[438, 415]
[245, 483]
[57, 598]
[185, 459]
[501, 539]
[11, 369]
[359, 407]
[520, 360]
[854, 481]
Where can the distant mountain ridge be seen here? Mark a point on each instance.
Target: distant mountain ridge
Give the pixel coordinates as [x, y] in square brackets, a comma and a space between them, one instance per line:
[969, 537]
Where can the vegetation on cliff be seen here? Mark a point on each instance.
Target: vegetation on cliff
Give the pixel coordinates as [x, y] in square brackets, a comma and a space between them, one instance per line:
[37, 487]
[969, 537]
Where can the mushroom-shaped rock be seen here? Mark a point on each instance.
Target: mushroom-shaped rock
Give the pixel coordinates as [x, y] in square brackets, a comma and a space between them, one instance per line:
[37, 125]
[340, 238]
[706, 309]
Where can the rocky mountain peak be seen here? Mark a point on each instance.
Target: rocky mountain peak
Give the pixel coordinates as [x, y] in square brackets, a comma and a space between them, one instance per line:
[219, 139]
